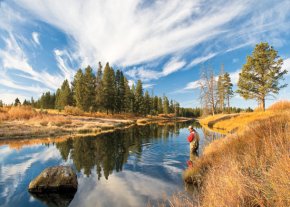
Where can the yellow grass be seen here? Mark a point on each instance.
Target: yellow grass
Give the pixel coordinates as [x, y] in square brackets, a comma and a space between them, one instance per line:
[73, 110]
[20, 113]
[251, 168]
[239, 123]
[211, 118]
[226, 123]
[280, 105]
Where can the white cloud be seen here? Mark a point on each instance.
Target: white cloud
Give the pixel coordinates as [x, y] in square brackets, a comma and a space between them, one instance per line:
[64, 59]
[14, 58]
[35, 37]
[148, 85]
[171, 66]
[202, 59]
[130, 32]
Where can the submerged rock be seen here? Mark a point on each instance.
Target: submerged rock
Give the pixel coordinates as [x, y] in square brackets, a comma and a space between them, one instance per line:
[58, 179]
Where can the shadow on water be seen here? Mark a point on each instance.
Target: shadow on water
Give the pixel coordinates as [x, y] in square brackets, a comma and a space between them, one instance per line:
[54, 199]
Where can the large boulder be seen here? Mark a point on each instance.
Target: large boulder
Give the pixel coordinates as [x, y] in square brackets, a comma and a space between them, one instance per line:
[59, 179]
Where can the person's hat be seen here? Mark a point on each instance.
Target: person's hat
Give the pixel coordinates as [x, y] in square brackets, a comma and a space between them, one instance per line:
[190, 127]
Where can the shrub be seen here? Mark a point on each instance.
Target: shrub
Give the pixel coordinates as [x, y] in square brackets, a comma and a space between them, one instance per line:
[73, 110]
[21, 112]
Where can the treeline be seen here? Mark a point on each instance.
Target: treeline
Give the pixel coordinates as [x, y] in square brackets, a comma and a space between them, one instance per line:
[107, 91]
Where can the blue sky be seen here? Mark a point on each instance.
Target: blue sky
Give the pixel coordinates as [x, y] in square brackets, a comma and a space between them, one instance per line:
[164, 43]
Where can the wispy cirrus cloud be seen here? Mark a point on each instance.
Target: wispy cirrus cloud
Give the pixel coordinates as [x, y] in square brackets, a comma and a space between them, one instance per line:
[133, 32]
[13, 58]
[35, 37]
[171, 66]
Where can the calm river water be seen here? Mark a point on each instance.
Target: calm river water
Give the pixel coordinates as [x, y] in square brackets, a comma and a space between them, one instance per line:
[125, 168]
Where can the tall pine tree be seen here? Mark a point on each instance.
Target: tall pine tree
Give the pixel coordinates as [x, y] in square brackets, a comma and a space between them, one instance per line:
[99, 88]
[89, 93]
[78, 89]
[108, 82]
[261, 74]
[63, 96]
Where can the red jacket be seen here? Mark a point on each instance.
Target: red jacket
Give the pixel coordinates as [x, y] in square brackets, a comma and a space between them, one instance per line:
[190, 137]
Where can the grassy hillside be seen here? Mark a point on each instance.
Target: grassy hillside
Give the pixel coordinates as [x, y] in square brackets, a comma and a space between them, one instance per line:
[249, 168]
[226, 123]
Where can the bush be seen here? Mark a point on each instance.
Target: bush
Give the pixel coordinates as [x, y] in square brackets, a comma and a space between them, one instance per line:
[21, 112]
[73, 110]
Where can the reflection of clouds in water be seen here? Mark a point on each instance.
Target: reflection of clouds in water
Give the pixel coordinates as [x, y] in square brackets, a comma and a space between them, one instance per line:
[5, 151]
[11, 175]
[122, 189]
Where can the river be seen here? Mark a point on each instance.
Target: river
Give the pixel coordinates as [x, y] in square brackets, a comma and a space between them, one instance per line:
[129, 167]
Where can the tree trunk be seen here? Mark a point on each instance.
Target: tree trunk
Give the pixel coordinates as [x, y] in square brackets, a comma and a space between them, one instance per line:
[228, 104]
[263, 103]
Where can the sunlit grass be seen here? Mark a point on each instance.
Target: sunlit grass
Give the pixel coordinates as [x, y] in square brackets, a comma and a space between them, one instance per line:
[237, 122]
[251, 168]
[280, 105]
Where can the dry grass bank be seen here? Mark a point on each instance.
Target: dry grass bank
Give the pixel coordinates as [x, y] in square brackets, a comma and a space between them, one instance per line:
[251, 168]
[25, 122]
[227, 123]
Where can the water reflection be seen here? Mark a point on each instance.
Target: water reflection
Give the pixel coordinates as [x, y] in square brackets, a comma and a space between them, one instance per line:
[110, 151]
[123, 168]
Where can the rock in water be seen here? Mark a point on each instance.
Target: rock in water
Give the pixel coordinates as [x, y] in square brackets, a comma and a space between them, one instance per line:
[59, 179]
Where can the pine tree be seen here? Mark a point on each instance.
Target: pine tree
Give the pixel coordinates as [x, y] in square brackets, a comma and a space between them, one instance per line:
[147, 103]
[171, 107]
[155, 105]
[177, 109]
[221, 89]
[139, 99]
[133, 107]
[17, 102]
[160, 105]
[127, 96]
[261, 74]
[99, 88]
[228, 88]
[165, 105]
[120, 90]
[108, 82]
[64, 96]
[89, 93]
[78, 89]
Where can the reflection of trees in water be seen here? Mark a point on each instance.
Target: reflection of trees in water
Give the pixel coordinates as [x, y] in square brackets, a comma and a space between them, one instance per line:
[110, 151]
[210, 136]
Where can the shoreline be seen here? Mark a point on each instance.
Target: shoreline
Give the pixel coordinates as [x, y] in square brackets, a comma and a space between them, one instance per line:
[28, 132]
[247, 155]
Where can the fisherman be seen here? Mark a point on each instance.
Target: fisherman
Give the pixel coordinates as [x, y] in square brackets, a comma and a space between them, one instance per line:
[193, 139]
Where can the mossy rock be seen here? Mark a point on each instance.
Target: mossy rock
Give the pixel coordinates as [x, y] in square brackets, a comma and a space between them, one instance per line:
[58, 179]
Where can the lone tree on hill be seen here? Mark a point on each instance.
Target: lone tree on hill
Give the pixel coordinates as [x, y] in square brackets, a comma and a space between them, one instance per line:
[261, 74]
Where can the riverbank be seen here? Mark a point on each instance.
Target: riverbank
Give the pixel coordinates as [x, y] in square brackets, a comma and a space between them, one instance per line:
[25, 122]
[229, 123]
[247, 168]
